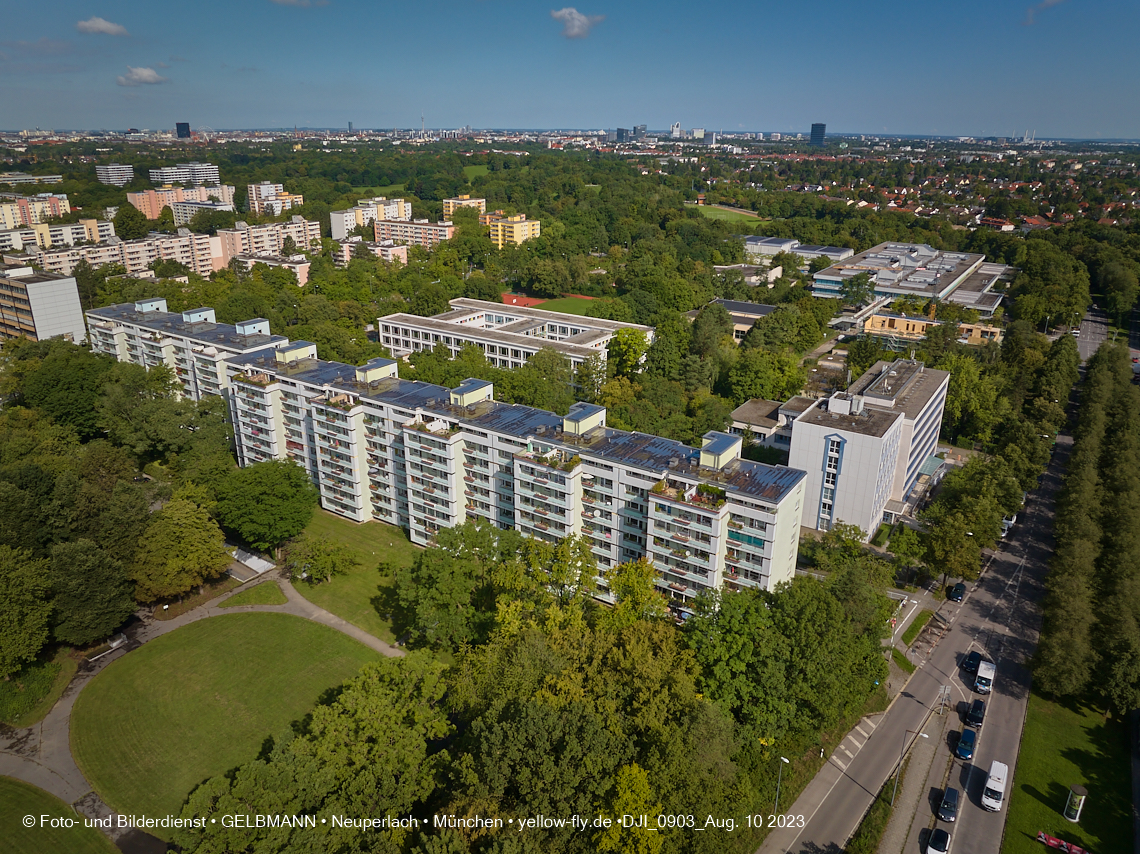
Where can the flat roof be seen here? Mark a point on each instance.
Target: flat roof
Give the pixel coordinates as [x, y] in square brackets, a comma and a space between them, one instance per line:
[478, 305]
[749, 309]
[872, 421]
[906, 268]
[169, 323]
[903, 384]
[496, 335]
[758, 411]
[312, 371]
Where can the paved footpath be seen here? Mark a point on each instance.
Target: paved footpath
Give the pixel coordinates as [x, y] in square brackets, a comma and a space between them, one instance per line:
[41, 754]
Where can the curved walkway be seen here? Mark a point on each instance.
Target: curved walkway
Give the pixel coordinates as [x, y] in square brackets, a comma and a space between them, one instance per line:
[41, 754]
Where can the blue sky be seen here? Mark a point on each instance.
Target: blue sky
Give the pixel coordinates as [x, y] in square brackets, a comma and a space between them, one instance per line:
[1062, 68]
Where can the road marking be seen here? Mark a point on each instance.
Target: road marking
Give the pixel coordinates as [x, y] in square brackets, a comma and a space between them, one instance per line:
[870, 723]
[858, 746]
[850, 755]
[861, 732]
[842, 767]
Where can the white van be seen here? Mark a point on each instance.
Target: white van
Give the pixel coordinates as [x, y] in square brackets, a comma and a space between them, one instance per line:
[984, 681]
[994, 792]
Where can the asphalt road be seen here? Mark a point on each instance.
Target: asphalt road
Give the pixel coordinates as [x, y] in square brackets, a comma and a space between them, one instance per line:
[999, 617]
[1094, 331]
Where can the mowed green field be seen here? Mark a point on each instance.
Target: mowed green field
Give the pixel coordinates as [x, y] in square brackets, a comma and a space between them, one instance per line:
[18, 799]
[353, 597]
[265, 593]
[1065, 745]
[473, 172]
[201, 700]
[720, 213]
[567, 305]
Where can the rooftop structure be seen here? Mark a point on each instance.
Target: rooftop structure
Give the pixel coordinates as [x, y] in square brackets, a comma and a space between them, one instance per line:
[902, 270]
[509, 335]
[758, 247]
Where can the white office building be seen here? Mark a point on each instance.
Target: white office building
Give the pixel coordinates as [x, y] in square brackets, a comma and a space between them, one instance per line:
[115, 174]
[863, 449]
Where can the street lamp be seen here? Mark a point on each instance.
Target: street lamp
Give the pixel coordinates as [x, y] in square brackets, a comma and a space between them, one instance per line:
[902, 752]
[776, 807]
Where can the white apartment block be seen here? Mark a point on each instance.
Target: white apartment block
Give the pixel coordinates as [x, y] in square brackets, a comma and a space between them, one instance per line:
[200, 252]
[186, 211]
[268, 239]
[186, 173]
[267, 198]
[39, 305]
[507, 334]
[115, 174]
[863, 449]
[426, 457]
[191, 344]
[299, 264]
[388, 250]
[418, 232]
[151, 202]
[47, 236]
[366, 212]
[14, 178]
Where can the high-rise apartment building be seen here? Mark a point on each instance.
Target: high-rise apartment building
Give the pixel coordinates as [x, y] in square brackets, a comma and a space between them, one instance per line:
[418, 232]
[200, 252]
[388, 250]
[675, 131]
[450, 206]
[186, 173]
[46, 236]
[510, 229]
[366, 212]
[268, 239]
[185, 211]
[818, 134]
[39, 305]
[267, 198]
[16, 211]
[151, 202]
[191, 343]
[115, 174]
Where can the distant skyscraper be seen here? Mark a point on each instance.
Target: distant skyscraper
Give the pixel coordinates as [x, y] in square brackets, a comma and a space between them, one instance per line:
[182, 129]
[623, 135]
[350, 127]
[638, 131]
[818, 134]
[675, 130]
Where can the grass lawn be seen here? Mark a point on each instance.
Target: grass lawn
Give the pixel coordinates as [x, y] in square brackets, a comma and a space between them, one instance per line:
[18, 799]
[473, 172]
[29, 695]
[265, 593]
[919, 623]
[902, 661]
[567, 305]
[201, 700]
[732, 216]
[352, 596]
[389, 190]
[1065, 744]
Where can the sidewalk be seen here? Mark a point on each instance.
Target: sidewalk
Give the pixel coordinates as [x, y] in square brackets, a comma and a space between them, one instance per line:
[925, 772]
[41, 754]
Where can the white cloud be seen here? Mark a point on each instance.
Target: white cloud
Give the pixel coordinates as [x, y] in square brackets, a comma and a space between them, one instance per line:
[140, 77]
[1031, 13]
[99, 25]
[575, 25]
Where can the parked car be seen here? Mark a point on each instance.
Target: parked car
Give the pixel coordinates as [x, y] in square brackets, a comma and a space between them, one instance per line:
[939, 842]
[967, 744]
[1007, 524]
[970, 662]
[957, 592]
[977, 714]
[948, 811]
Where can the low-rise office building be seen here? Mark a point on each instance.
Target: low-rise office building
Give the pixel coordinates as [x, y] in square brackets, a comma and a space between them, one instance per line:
[508, 335]
[191, 343]
[903, 328]
[39, 305]
[863, 449]
[760, 247]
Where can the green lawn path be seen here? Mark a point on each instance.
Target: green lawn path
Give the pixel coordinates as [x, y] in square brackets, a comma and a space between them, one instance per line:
[1062, 745]
[18, 799]
[200, 700]
[352, 597]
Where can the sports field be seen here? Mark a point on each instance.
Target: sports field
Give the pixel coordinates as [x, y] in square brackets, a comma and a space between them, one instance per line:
[19, 799]
[721, 213]
[201, 700]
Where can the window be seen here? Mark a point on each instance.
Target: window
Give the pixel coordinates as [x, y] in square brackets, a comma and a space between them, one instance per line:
[834, 446]
[825, 509]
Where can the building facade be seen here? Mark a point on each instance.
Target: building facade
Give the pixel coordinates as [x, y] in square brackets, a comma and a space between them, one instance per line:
[388, 250]
[366, 212]
[818, 134]
[47, 236]
[185, 211]
[508, 335]
[191, 343]
[186, 173]
[299, 264]
[267, 198]
[267, 239]
[114, 174]
[450, 206]
[199, 252]
[39, 305]
[418, 232]
[151, 202]
[863, 449]
[16, 211]
[510, 229]
[24, 178]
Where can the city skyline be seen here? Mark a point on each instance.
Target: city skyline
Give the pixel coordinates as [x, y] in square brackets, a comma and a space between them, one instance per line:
[280, 63]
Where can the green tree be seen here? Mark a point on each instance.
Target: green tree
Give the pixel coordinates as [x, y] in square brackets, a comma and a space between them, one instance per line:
[632, 795]
[762, 374]
[266, 503]
[130, 223]
[857, 290]
[710, 328]
[183, 548]
[92, 594]
[635, 594]
[626, 350]
[67, 383]
[25, 608]
[436, 599]
[320, 558]
[590, 377]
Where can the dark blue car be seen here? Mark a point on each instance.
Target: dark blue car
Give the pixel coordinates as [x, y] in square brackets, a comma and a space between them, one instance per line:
[967, 741]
